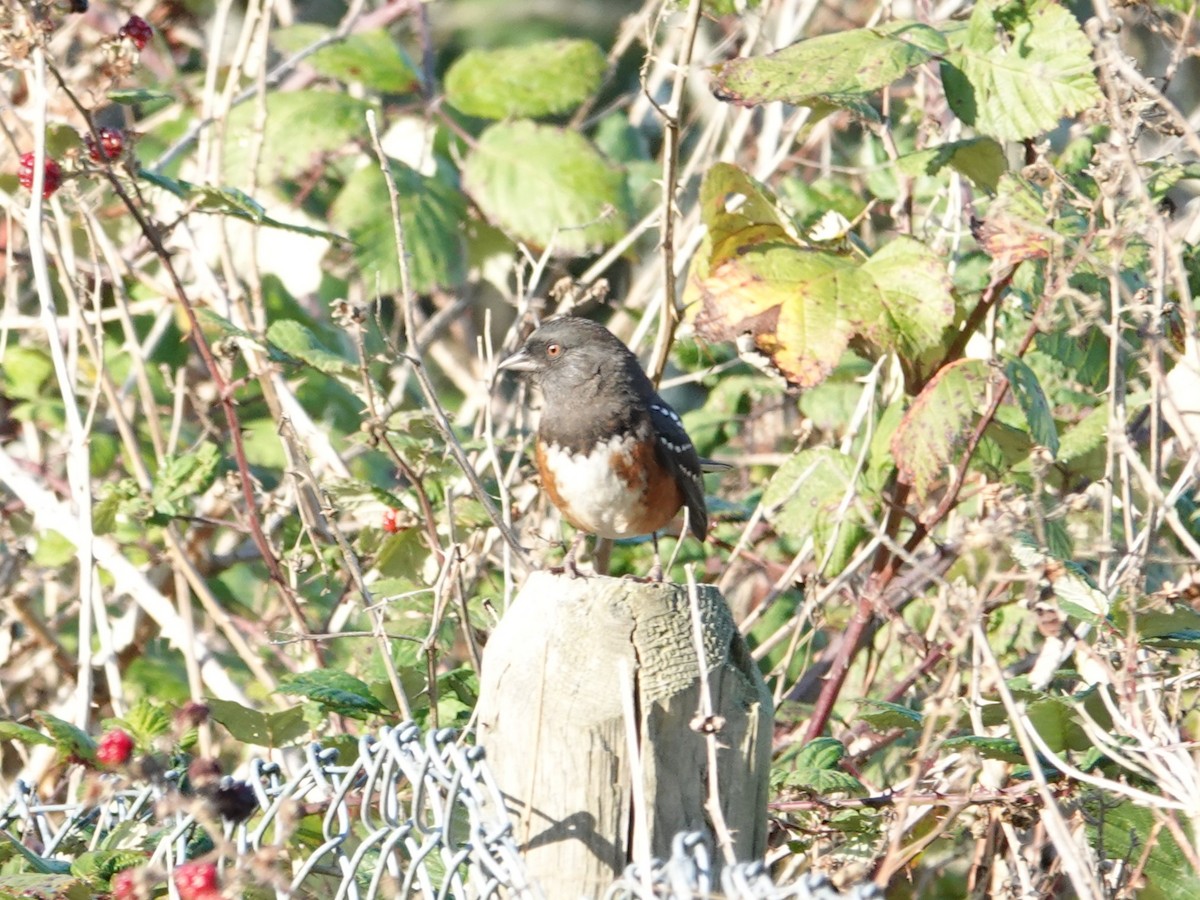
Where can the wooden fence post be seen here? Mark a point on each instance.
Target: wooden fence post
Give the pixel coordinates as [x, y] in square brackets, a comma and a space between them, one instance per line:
[578, 669]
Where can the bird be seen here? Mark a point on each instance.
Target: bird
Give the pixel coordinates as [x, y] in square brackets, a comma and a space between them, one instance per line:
[612, 455]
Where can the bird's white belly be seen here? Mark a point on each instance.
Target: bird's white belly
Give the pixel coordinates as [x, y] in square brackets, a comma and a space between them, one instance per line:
[599, 499]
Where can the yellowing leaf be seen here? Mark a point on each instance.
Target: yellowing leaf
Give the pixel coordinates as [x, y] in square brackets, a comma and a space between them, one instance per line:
[936, 427]
[789, 299]
[802, 306]
[835, 68]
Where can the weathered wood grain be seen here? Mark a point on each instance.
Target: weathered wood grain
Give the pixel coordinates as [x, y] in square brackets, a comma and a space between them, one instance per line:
[551, 717]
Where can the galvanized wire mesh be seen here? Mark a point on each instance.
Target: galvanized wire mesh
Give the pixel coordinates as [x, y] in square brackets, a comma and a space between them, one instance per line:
[413, 816]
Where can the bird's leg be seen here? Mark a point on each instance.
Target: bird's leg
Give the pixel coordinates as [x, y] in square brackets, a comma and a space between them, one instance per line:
[569, 565]
[656, 570]
[601, 555]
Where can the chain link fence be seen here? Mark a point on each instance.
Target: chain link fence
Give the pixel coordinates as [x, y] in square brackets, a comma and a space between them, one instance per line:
[415, 815]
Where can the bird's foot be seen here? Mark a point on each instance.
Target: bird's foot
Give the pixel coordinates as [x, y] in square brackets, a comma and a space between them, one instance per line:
[570, 568]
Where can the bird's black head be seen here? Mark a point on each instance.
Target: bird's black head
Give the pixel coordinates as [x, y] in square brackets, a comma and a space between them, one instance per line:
[573, 359]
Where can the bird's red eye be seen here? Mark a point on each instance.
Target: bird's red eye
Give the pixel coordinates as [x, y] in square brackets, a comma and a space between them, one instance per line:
[553, 350]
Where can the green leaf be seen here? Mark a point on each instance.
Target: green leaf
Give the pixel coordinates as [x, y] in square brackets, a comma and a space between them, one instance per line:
[302, 128]
[835, 68]
[546, 186]
[14, 731]
[1074, 589]
[805, 498]
[1029, 394]
[26, 372]
[1004, 749]
[1165, 174]
[40, 864]
[1127, 832]
[221, 328]
[936, 427]
[299, 342]
[144, 722]
[980, 159]
[1057, 723]
[884, 716]
[54, 550]
[824, 781]
[816, 769]
[68, 739]
[432, 213]
[1023, 84]
[123, 496]
[339, 691]
[251, 726]
[821, 753]
[1088, 434]
[1055, 718]
[183, 478]
[370, 58]
[915, 294]
[1174, 621]
[1175, 640]
[229, 202]
[148, 100]
[403, 555]
[61, 138]
[105, 863]
[542, 79]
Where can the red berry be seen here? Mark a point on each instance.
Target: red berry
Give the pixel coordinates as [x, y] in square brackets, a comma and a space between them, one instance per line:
[391, 522]
[110, 146]
[196, 880]
[138, 30]
[124, 885]
[114, 748]
[51, 179]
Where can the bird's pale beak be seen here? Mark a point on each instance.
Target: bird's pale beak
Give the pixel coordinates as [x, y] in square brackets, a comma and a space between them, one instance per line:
[520, 361]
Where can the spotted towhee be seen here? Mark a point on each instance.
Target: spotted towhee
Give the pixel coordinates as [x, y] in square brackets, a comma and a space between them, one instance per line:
[612, 455]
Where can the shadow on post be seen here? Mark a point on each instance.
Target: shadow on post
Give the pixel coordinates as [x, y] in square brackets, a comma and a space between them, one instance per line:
[580, 671]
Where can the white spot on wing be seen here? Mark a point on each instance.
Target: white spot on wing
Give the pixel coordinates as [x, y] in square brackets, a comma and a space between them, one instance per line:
[668, 412]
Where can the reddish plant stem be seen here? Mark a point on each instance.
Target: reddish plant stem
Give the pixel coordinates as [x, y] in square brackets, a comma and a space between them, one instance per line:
[883, 570]
[232, 422]
[887, 564]
[987, 300]
[225, 393]
[224, 390]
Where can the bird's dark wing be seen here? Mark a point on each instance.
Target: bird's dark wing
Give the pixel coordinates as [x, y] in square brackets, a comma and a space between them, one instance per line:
[676, 450]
